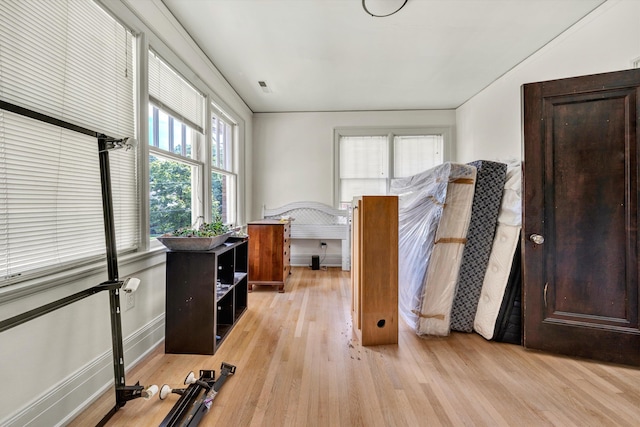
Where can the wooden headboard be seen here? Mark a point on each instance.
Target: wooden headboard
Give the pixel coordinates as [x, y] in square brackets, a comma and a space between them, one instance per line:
[315, 220]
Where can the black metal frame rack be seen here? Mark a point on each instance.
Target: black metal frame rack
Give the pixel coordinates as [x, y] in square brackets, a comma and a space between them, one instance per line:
[113, 285]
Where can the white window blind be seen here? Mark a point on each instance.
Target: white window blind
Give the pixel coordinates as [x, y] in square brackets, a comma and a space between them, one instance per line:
[416, 153]
[364, 166]
[368, 159]
[172, 93]
[71, 61]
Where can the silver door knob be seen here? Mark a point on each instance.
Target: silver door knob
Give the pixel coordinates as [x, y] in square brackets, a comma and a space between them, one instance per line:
[537, 239]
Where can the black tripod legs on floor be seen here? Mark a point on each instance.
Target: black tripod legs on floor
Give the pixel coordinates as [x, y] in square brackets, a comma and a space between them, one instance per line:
[196, 399]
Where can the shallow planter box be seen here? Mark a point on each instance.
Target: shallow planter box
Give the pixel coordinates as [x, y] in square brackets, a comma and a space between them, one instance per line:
[193, 243]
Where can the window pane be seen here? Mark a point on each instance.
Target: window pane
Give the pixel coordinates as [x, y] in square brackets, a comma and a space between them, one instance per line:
[225, 149]
[214, 141]
[170, 184]
[163, 130]
[364, 157]
[168, 133]
[222, 145]
[152, 129]
[415, 154]
[190, 138]
[222, 190]
[176, 141]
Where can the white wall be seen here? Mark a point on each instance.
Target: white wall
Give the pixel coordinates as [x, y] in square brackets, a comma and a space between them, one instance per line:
[293, 152]
[56, 362]
[293, 157]
[608, 39]
[53, 365]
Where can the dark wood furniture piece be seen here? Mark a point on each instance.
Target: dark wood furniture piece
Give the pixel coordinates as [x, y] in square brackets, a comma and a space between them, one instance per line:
[206, 293]
[269, 253]
[374, 269]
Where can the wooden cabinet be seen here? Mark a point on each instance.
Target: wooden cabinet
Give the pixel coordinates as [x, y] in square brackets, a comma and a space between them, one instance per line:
[206, 293]
[269, 252]
[374, 269]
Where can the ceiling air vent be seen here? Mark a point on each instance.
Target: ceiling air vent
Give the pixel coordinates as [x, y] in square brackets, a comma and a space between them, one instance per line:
[263, 86]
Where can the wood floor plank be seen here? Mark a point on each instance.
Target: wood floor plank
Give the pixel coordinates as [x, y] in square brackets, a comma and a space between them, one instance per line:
[299, 363]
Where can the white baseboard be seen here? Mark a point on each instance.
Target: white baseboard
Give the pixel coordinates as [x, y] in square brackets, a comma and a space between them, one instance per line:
[64, 401]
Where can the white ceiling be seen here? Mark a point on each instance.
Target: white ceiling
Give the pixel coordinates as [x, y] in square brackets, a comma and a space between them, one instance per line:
[330, 55]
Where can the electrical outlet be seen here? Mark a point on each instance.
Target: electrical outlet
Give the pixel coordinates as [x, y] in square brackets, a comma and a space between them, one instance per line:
[130, 300]
[323, 245]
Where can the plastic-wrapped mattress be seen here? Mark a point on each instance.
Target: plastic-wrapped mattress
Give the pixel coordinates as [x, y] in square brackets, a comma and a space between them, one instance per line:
[490, 181]
[434, 214]
[501, 280]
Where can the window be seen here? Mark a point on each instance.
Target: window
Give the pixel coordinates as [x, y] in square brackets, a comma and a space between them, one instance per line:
[366, 160]
[223, 180]
[177, 154]
[176, 125]
[364, 166]
[50, 199]
[173, 174]
[413, 154]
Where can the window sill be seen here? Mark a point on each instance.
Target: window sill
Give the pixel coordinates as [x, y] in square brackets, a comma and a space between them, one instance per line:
[127, 264]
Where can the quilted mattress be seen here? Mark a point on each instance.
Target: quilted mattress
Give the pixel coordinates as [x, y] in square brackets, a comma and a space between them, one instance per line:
[490, 182]
[432, 207]
[501, 259]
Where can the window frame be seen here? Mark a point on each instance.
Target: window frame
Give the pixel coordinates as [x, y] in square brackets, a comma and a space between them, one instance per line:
[201, 150]
[231, 162]
[177, 97]
[390, 132]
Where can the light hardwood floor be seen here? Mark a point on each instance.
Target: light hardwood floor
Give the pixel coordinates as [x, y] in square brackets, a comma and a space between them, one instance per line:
[299, 364]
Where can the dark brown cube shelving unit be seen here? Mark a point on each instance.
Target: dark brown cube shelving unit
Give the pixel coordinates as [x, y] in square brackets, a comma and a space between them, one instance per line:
[206, 293]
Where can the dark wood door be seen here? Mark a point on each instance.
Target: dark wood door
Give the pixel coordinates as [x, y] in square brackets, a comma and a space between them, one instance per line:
[580, 203]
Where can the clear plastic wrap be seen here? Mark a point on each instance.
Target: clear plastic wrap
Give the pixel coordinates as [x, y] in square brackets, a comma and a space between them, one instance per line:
[421, 202]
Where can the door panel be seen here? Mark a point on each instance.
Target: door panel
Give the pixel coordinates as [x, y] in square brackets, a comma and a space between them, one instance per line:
[580, 194]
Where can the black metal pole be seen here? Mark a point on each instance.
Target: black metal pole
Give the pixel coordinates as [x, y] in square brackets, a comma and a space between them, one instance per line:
[112, 267]
[48, 308]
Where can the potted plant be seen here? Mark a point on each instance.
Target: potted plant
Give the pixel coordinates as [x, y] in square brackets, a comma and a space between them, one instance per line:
[206, 236]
